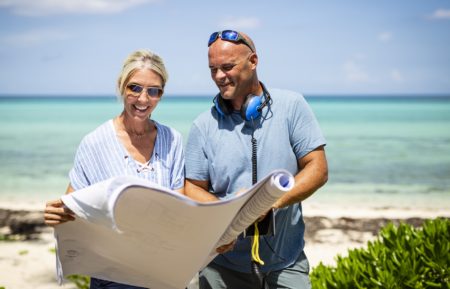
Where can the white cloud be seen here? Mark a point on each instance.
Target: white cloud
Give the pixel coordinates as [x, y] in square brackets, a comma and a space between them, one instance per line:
[359, 56]
[441, 14]
[396, 75]
[35, 37]
[51, 7]
[385, 36]
[354, 72]
[240, 23]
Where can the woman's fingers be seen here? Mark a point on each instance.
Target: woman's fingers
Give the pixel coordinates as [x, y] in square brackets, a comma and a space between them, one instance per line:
[59, 210]
[56, 213]
[55, 203]
[57, 206]
[56, 219]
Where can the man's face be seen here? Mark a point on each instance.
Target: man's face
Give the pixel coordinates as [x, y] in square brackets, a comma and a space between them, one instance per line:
[232, 69]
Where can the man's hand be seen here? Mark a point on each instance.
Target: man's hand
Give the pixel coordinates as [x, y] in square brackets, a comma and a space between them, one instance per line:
[225, 248]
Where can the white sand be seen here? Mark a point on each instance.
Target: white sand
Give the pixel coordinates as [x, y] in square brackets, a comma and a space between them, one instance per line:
[31, 264]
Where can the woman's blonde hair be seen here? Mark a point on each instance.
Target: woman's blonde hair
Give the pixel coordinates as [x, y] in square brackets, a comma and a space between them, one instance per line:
[141, 59]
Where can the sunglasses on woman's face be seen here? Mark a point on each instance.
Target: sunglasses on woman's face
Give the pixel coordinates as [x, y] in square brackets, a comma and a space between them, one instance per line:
[229, 35]
[136, 90]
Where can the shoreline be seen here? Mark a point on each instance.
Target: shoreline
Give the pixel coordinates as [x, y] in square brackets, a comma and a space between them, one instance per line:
[28, 261]
[312, 207]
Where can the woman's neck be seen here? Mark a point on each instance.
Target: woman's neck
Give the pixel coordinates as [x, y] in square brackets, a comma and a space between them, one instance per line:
[133, 127]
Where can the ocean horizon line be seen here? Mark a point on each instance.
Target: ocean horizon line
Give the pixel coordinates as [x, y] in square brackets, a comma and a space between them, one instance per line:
[361, 96]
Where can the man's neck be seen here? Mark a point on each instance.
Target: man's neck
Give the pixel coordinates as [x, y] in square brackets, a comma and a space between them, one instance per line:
[255, 89]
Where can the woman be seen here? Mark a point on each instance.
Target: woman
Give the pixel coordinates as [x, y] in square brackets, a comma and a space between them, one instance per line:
[129, 144]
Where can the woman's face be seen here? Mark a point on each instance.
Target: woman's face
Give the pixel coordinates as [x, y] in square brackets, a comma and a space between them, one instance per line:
[142, 94]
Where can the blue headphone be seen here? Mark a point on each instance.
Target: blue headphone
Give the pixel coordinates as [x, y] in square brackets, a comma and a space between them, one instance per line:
[251, 109]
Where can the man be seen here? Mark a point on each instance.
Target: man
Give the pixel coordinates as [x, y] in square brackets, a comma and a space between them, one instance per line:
[249, 132]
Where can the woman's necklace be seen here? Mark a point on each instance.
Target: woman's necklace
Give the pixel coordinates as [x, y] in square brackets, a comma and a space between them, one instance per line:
[138, 135]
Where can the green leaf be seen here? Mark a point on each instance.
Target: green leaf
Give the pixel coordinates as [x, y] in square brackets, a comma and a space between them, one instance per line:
[401, 257]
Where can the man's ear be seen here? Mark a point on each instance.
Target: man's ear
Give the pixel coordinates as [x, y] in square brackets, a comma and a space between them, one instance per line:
[254, 60]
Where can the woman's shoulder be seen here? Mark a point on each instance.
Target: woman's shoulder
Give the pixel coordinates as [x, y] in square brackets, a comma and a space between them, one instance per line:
[99, 134]
[167, 130]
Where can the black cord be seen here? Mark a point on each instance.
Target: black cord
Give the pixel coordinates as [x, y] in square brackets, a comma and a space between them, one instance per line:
[255, 267]
[254, 160]
[258, 275]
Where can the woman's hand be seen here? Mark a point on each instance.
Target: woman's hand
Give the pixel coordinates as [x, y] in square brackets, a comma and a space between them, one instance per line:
[57, 213]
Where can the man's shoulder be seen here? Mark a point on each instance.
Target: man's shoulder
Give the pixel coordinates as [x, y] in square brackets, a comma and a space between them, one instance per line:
[283, 98]
[206, 116]
[284, 93]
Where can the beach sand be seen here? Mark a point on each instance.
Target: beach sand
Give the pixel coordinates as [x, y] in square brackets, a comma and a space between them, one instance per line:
[29, 264]
[329, 231]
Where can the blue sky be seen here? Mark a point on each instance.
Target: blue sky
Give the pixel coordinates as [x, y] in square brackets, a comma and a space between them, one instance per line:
[76, 47]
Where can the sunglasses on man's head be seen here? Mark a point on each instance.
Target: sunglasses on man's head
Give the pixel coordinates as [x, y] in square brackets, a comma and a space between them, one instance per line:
[229, 35]
[136, 90]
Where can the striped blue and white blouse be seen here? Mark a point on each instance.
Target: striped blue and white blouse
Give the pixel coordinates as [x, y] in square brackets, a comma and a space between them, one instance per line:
[101, 156]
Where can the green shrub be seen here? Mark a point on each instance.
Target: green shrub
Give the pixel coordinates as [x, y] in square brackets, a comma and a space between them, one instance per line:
[82, 282]
[401, 257]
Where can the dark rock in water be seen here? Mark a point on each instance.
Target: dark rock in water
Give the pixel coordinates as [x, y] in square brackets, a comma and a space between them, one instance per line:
[26, 224]
[350, 225]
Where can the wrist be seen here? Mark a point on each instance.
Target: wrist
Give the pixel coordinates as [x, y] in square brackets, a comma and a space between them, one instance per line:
[276, 206]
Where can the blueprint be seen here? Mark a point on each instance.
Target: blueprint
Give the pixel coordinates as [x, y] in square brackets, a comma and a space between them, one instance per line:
[132, 231]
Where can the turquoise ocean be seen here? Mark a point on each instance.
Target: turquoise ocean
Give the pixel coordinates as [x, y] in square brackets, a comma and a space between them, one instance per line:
[382, 151]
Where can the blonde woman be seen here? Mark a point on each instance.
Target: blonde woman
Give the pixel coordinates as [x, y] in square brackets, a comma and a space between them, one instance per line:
[130, 144]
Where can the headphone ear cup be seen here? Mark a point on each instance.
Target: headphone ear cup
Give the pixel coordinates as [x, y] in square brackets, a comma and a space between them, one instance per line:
[250, 108]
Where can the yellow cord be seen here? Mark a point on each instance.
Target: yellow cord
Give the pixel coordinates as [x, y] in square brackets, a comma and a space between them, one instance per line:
[255, 246]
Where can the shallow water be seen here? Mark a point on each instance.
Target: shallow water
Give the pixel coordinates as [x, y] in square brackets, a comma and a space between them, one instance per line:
[386, 151]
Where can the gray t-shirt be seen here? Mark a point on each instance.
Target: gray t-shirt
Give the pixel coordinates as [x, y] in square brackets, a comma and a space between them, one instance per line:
[219, 150]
